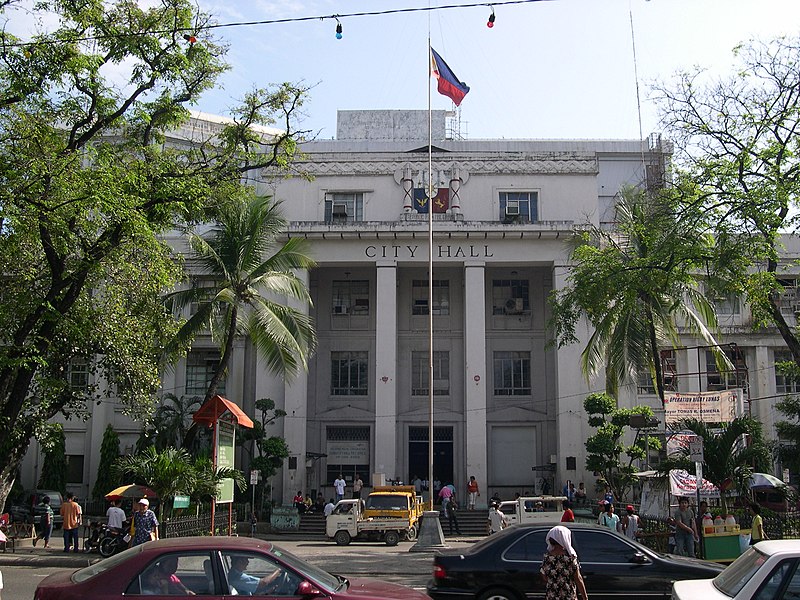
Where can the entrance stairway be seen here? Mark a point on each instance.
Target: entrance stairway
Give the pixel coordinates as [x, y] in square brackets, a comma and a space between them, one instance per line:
[472, 523]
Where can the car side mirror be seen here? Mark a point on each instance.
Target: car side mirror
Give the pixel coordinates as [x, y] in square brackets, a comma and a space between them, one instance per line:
[639, 558]
[307, 590]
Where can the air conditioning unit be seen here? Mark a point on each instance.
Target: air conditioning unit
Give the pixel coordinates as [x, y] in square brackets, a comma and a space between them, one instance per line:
[339, 309]
[514, 306]
[339, 210]
[512, 208]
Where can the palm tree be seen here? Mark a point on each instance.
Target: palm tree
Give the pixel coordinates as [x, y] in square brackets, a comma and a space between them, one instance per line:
[170, 423]
[732, 452]
[635, 284]
[250, 268]
[168, 472]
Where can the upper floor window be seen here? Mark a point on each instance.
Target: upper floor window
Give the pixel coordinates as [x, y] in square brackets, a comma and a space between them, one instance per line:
[350, 297]
[349, 372]
[510, 297]
[790, 299]
[344, 207]
[520, 207]
[727, 304]
[420, 373]
[441, 297]
[512, 373]
[731, 377]
[200, 368]
[79, 374]
[645, 384]
[783, 383]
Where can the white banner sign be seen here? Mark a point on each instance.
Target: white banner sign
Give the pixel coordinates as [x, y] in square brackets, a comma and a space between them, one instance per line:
[348, 453]
[709, 407]
[683, 484]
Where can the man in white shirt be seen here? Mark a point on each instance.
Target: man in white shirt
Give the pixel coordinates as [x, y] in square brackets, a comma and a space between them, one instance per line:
[497, 520]
[328, 508]
[115, 516]
[339, 484]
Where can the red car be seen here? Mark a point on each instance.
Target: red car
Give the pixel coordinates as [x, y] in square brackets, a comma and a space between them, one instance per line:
[213, 567]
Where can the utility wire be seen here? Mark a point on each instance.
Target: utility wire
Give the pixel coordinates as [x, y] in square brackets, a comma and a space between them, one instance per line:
[198, 28]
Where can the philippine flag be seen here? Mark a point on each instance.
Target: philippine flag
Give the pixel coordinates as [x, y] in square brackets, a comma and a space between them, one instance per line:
[448, 83]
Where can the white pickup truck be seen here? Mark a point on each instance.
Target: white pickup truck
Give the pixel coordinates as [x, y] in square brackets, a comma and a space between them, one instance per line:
[347, 522]
[534, 509]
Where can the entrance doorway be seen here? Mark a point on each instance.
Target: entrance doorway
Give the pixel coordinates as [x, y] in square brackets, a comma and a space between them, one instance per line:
[442, 453]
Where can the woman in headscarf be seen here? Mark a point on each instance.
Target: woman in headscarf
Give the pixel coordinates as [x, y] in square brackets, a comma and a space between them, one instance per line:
[560, 569]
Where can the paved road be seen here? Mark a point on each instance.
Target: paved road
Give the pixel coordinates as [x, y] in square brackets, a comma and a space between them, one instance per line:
[25, 568]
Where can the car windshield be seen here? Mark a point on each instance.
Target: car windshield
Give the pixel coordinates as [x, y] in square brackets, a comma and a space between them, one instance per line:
[387, 502]
[735, 576]
[104, 565]
[309, 571]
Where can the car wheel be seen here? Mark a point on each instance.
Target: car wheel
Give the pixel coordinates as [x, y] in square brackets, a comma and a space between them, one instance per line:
[392, 538]
[342, 538]
[498, 594]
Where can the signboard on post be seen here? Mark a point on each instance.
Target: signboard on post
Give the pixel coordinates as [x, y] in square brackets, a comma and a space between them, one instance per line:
[708, 407]
[226, 439]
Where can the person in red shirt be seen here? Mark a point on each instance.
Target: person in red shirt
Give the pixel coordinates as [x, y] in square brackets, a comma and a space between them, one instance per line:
[568, 516]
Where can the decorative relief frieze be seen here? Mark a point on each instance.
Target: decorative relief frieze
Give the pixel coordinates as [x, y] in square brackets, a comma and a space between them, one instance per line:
[489, 166]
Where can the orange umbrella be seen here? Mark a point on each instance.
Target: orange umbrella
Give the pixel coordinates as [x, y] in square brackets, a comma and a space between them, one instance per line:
[133, 490]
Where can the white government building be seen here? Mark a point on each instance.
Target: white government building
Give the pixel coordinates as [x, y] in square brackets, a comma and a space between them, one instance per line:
[508, 407]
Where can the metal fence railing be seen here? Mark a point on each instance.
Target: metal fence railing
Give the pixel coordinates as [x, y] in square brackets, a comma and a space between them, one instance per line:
[191, 525]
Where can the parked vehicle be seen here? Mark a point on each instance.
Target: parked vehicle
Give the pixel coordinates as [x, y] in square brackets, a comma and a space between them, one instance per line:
[505, 566]
[348, 522]
[765, 570]
[395, 502]
[534, 509]
[205, 567]
[113, 541]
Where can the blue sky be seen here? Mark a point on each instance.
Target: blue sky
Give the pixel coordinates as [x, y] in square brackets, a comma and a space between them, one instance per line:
[553, 69]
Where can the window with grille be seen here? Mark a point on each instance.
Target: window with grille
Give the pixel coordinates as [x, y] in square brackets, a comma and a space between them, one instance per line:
[79, 374]
[344, 207]
[200, 368]
[510, 297]
[645, 383]
[441, 297]
[727, 379]
[783, 383]
[349, 371]
[420, 373]
[790, 298]
[512, 373]
[520, 207]
[350, 297]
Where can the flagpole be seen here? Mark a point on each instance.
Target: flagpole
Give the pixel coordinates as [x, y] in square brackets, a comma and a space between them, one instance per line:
[430, 279]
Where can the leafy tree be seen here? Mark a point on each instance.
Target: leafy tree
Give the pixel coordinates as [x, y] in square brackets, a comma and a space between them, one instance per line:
[267, 452]
[788, 429]
[109, 453]
[634, 285]
[737, 138]
[54, 461]
[606, 451]
[170, 423]
[250, 269]
[207, 479]
[732, 452]
[90, 183]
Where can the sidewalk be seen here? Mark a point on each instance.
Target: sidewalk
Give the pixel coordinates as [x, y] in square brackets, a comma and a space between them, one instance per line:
[324, 553]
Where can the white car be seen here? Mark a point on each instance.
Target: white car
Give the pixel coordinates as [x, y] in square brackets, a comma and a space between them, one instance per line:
[767, 571]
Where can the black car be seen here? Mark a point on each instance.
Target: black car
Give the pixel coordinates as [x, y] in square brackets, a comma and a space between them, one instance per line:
[505, 566]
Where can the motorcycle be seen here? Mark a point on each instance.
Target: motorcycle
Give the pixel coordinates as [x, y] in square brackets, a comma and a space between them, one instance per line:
[113, 541]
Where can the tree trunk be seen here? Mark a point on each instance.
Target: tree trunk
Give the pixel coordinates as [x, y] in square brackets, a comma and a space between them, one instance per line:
[225, 359]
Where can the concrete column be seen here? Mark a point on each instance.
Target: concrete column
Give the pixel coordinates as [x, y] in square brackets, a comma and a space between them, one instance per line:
[476, 378]
[386, 371]
[762, 385]
[294, 425]
[572, 426]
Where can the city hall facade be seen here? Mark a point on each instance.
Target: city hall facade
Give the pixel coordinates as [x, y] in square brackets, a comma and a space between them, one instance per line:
[507, 403]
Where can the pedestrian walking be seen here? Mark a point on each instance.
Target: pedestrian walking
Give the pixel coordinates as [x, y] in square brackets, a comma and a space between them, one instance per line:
[757, 530]
[145, 523]
[630, 523]
[452, 519]
[473, 491]
[497, 520]
[444, 495]
[686, 528]
[253, 523]
[568, 516]
[71, 514]
[47, 523]
[328, 508]
[560, 569]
